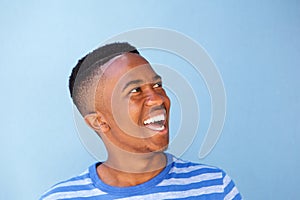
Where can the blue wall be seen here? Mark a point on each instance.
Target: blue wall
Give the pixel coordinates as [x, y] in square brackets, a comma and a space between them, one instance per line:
[255, 45]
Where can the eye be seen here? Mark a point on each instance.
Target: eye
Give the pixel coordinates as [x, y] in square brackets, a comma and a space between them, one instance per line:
[136, 90]
[157, 85]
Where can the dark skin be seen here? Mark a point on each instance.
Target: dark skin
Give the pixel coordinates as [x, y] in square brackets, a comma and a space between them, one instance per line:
[117, 178]
[132, 96]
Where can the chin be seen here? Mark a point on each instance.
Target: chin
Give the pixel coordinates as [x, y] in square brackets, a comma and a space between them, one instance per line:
[161, 147]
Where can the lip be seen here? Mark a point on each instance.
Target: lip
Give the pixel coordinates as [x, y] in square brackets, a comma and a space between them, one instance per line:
[157, 112]
[160, 115]
[162, 131]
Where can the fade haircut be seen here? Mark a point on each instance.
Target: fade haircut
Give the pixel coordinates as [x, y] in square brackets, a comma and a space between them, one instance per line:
[87, 73]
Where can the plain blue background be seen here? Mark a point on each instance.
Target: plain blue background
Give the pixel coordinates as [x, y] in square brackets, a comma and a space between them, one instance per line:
[255, 45]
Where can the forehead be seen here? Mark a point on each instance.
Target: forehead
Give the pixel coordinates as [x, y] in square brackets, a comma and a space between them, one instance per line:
[127, 67]
[120, 72]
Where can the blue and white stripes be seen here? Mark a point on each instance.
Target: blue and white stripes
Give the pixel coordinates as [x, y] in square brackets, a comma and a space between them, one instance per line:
[179, 180]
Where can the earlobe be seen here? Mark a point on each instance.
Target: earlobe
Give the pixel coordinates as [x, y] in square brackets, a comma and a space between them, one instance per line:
[97, 122]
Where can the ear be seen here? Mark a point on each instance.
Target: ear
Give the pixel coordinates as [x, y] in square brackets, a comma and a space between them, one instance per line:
[97, 122]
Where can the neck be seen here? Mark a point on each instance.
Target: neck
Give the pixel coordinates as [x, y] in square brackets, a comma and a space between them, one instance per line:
[131, 169]
[136, 162]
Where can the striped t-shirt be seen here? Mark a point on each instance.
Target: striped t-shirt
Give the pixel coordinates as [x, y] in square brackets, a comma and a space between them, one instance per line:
[179, 180]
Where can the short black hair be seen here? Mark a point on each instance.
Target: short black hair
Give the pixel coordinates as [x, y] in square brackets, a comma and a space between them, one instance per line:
[86, 73]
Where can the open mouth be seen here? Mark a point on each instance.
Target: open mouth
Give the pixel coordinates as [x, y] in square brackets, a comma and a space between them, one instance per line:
[156, 123]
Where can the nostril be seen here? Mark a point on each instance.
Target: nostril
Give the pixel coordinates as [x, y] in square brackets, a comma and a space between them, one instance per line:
[155, 99]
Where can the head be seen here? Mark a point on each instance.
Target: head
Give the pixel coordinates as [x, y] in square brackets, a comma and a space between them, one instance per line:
[121, 97]
[87, 73]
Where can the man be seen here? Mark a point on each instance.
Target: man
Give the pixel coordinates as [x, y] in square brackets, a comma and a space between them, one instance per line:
[122, 99]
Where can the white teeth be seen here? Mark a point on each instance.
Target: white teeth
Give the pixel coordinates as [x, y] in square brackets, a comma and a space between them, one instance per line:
[158, 128]
[155, 119]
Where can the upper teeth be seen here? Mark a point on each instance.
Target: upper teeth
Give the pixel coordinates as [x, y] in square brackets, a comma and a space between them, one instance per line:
[155, 119]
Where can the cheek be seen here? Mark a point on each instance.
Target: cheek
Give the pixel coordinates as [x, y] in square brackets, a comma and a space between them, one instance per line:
[134, 110]
[127, 111]
[168, 102]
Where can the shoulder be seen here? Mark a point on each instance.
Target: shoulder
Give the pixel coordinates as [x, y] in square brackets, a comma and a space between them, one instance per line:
[181, 168]
[74, 187]
[202, 178]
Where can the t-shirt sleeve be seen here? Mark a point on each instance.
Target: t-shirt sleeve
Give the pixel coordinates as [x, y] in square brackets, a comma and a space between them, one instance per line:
[230, 190]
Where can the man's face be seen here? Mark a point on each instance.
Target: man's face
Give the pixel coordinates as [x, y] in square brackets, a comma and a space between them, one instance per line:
[134, 105]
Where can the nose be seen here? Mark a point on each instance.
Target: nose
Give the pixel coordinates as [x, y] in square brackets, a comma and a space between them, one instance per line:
[153, 98]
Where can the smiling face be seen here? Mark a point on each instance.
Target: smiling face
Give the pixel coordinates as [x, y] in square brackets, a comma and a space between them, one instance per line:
[134, 105]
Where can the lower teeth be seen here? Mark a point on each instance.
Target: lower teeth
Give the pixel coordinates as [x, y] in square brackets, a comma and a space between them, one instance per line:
[156, 128]
[160, 128]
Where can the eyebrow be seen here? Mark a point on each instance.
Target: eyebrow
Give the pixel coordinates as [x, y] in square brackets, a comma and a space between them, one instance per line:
[135, 82]
[156, 77]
